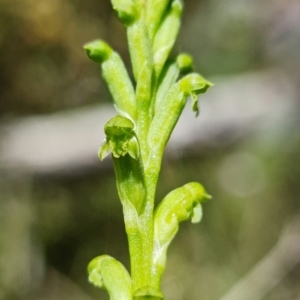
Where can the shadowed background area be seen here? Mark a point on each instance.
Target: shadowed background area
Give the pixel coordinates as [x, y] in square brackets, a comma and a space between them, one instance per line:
[58, 203]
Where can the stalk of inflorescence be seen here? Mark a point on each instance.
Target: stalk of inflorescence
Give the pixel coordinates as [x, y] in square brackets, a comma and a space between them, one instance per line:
[147, 112]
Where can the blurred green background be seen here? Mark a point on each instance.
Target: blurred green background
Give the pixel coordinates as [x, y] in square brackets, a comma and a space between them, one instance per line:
[52, 223]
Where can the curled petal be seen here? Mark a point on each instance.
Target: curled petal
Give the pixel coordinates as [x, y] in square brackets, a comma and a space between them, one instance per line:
[104, 150]
[194, 83]
[196, 214]
[106, 272]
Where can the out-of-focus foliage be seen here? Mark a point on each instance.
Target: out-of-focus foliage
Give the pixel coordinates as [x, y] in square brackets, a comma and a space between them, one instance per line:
[50, 227]
[43, 66]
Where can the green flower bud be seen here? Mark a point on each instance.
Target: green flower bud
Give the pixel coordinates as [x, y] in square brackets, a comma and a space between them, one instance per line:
[166, 35]
[184, 62]
[98, 51]
[115, 75]
[125, 10]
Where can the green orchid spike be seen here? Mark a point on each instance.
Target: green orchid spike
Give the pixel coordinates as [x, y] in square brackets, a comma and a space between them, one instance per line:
[106, 272]
[148, 110]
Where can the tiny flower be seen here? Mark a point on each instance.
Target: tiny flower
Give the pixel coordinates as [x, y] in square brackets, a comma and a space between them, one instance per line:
[120, 138]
